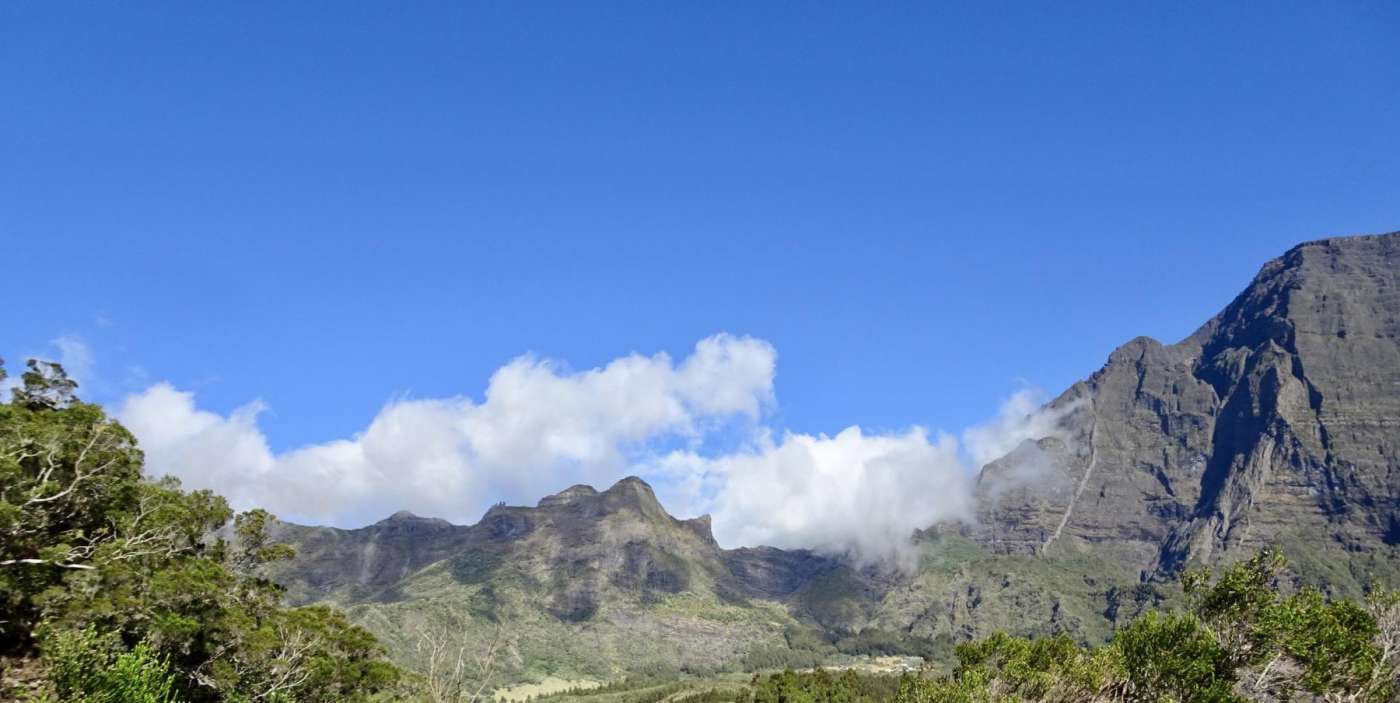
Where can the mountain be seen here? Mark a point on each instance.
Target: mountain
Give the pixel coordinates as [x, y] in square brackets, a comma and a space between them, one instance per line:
[1276, 423]
[587, 582]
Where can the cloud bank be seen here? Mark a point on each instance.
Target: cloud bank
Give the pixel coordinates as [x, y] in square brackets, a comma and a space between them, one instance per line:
[853, 493]
[540, 428]
[537, 430]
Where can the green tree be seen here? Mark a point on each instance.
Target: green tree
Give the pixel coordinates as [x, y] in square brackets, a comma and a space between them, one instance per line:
[68, 475]
[100, 566]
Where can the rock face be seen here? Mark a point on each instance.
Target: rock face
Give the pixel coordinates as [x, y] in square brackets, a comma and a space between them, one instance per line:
[582, 542]
[1276, 421]
[591, 583]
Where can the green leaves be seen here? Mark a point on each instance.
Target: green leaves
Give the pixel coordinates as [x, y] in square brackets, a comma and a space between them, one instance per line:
[1334, 643]
[67, 474]
[45, 386]
[1046, 669]
[1240, 639]
[88, 667]
[821, 686]
[1172, 657]
[123, 587]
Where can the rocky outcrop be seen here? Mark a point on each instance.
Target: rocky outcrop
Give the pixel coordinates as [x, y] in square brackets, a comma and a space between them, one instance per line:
[1278, 420]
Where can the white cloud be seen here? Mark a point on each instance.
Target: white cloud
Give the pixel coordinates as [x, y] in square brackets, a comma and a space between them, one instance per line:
[206, 450]
[75, 356]
[854, 493]
[540, 428]
[1020, 418]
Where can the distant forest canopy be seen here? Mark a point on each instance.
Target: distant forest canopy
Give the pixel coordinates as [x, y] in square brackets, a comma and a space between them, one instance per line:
[118, 588]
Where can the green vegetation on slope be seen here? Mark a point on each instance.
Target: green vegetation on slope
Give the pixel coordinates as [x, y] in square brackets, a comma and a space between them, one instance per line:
[1239, 639]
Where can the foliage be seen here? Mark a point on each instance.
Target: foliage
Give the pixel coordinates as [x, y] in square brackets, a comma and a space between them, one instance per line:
[820, 685]
[883, 643]
[87, 667]
[1049, 669]
[1240, 639]
[1172, 657]
[801, 648]
[68, 478]
[109, 576]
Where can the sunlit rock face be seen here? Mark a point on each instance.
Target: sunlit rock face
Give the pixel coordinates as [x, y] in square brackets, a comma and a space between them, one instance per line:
[1278, 421]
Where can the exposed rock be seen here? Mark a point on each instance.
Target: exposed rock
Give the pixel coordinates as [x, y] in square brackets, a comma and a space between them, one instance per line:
[1279, 419]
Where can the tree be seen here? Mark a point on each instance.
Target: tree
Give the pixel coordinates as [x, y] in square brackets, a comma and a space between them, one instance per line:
[455, 669]
[67, 476]
[98, 561]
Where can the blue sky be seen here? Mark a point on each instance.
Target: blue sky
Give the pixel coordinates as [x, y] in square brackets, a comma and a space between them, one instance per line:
[919, 206]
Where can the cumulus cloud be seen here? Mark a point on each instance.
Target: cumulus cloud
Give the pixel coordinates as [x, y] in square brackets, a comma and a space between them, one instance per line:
[540, 428]
[225, 453]
[854, 493]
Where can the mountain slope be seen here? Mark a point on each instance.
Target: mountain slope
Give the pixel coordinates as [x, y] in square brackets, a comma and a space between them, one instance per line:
[589, 583]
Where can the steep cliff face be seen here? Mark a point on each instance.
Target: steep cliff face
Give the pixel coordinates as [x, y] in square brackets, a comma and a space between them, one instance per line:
[1278, 420]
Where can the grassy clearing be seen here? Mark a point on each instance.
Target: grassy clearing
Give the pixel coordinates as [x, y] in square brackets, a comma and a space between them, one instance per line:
[551, 685]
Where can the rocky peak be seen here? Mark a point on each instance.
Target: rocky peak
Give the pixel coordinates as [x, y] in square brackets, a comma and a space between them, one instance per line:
[1273, 421]
[406, 516]
[568, 495]
[634, 493]
[405, 521]
[701, 526]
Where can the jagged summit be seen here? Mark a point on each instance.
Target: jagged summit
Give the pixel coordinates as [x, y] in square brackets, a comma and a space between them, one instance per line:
[568, 495]
[631, 483]
[405, 517]
[630, 492]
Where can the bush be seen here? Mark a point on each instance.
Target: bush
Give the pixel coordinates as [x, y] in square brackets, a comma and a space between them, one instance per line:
[1239, 640]
[88, 667]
